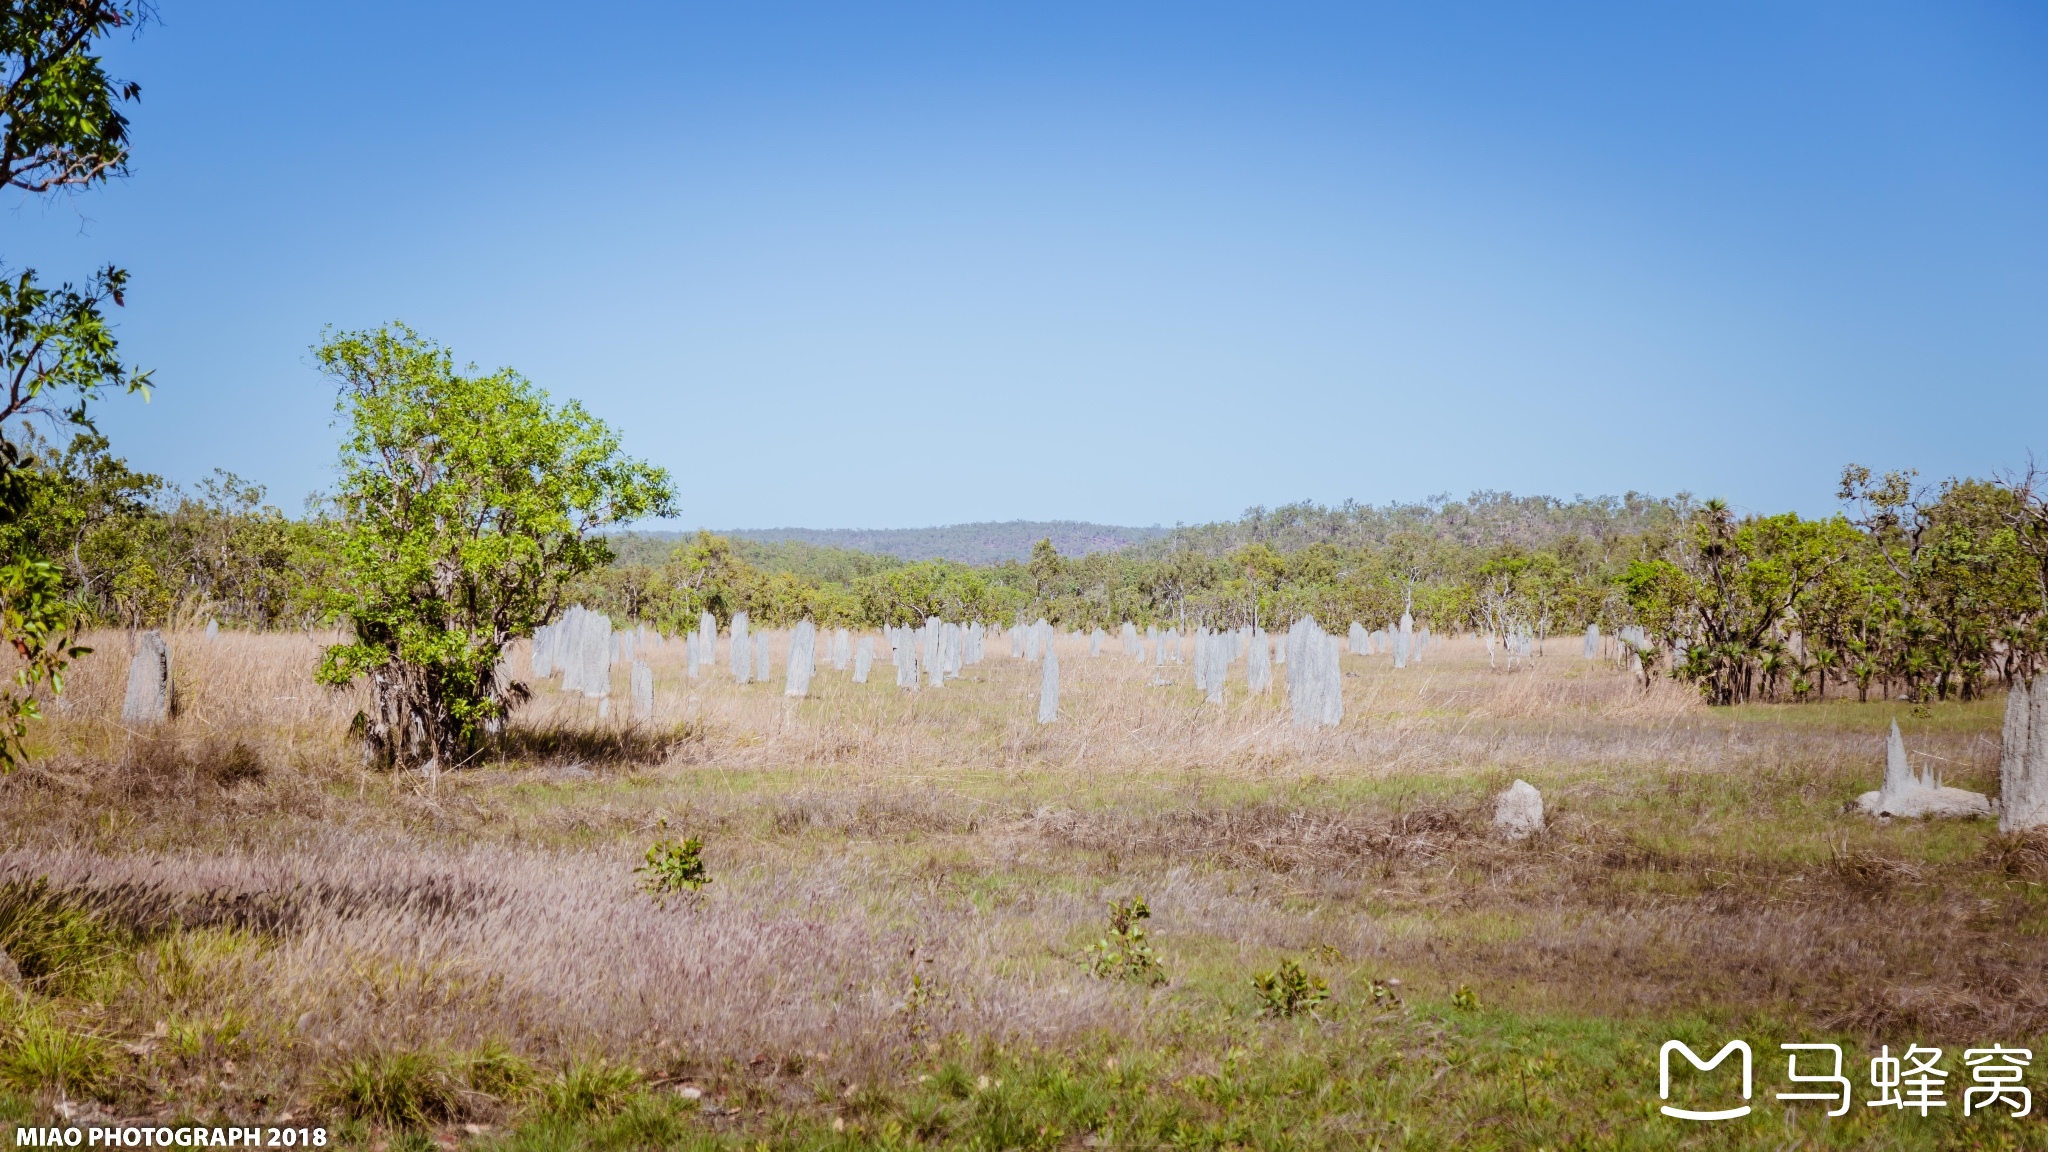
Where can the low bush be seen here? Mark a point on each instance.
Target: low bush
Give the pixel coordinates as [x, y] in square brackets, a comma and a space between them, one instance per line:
[674, 866]
[498, 1072]
[1288, 991]
[1124, 954]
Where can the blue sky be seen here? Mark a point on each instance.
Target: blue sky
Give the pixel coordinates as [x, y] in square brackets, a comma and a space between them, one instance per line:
[877, 265]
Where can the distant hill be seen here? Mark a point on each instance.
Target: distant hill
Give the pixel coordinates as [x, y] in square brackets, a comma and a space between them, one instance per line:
[989, 542]
[985, 543]
[1485, 519]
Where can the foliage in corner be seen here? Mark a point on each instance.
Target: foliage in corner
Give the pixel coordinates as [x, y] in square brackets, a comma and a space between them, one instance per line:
[60, 128]
[466, 501]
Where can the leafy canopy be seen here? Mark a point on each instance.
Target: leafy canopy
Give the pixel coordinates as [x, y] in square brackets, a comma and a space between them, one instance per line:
[59, 110]
[465, 502]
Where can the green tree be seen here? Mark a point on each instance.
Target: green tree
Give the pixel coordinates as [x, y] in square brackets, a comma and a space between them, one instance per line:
[1958, 567]
[1046, 570]
[931, 588]
[74, 497]
[60, 128]
[465, 502]
[705, 575]
[1724, 599]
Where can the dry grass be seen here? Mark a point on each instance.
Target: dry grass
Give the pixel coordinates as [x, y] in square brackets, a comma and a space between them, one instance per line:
[314, 911]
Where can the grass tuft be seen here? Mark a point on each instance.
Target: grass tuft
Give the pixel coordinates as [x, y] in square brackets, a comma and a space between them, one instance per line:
[393, 1089]
[45, 1057]
[589, 1088]
[498, 1072]
[58, 945]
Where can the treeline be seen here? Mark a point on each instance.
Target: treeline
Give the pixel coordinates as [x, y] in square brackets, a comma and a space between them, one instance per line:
[1925, 591]
[1918, 591]
[140, 552]
[1483, 519]
[1922, 592]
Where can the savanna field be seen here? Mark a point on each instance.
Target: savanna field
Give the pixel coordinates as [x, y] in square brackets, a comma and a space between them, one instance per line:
[327, 823]
[906, 937]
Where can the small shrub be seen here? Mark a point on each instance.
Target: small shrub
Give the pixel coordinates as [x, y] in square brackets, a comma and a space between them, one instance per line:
[674, 867]
[162, 764]
[599, 747]
[220, 1037]
[926, 1120]
[643, 1122]
[1124, 954]
[169, 963]
[1288, 991]
[2022, 854]
[1465, 999]
[924, 1000]
[185, 964]
[590, 1088]
[401, 1089]
[1003, 1118]
[1386, 994]
[1865, 873]
[869, 1098]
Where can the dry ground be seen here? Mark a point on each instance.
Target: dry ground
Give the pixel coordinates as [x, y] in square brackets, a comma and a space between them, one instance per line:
[904, 883]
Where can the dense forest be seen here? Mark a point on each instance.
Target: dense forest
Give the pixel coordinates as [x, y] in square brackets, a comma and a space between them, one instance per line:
[1926, 590]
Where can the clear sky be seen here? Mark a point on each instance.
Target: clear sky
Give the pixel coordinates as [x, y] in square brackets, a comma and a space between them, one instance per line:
[869, 265]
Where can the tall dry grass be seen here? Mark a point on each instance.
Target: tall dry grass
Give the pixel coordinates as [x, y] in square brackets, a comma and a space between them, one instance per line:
[381, 944]
[864, 836]
[1115, 717]
[1446, 714]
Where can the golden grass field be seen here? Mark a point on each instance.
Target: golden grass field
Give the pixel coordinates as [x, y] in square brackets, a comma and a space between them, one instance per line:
[891, 948]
